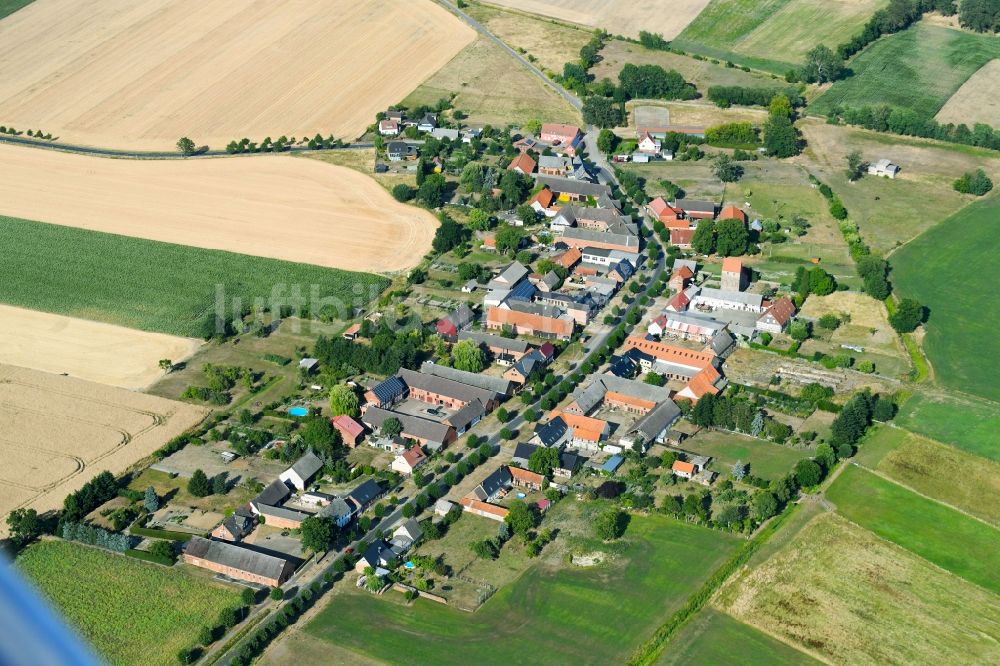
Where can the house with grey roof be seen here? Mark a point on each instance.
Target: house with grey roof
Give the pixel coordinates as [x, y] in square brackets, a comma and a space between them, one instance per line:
[303, 471]
[237, 561]
[576, 237]
[712, 298]
[522, 454]
[510, 276]
[652, 427]
[236, 526]
[273, 495]
[551, 435]
[467, 417]
[445, 133]
[576, 190]
[697, 209]
[365, 494]
[339, 510]
[493, 485]
[485, 382]
[431, 434]
[435, 389]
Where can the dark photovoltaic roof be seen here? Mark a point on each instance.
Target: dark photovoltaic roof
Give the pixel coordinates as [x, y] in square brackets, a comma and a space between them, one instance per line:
[390, 389]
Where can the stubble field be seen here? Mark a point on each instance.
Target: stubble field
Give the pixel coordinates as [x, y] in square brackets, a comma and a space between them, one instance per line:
[56, 433]
[270, 206]
[975, 101]
[141, 75]
[622, 17]
[89, 350]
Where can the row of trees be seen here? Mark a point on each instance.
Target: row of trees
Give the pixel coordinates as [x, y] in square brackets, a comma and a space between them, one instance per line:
[96, 536]
[885, 118]
[739, 414]
[387, 352]
[725, 96]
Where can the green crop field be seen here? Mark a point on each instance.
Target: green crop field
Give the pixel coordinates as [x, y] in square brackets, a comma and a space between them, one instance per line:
[8, 7]
[132, 612]
[713, 638]
[971, 425]
[150, 285]
[949, 539]
[564, 613]
[773, 35]
[917, 69]
[767, 460]
[964, 303]
[927, 467]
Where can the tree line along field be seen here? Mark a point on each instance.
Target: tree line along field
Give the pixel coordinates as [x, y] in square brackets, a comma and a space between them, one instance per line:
[545, 611]
[131, 612]
[927, 528]
[141, 75]
[925, 466]
[918, 69]
[962, 297]
[841, 593]
[149, 285]
[773, 35]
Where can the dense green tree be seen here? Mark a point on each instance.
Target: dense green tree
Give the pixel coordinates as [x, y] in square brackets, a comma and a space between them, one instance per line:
[764, 505]
[607, 141]
[808, 473]
[974, 182]
[611, 524]
[703, 413]
[449, 234]
[219, 484]
[318, 533]
[732, 237]
[468, 356]
[402, 192]
[780, 137]
[344, 400]
[873, 271]
[521, 518]
[822, 65]
[725, 169]
[980, 15]
[603, 112]
[485, 549]
[199, 485]
[703, 240]
[24, 526]
[884, 409]
[433, 190]
[185, 145]
[855, 165]
[908, 315]
[508, 239]
[652, 81]
[150, 500]
[800, 330]
[391, 427]
[543, 460]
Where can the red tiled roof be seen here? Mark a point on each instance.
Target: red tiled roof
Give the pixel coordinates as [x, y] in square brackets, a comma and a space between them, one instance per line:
[537, 322]
[525, 162]
[347, 424]
[681, 236]
[684, 272]
[703, 382]
[569, 258]
[782, 310]
[414, 456]
[525, 475]
[732, 265]
[679, 301]
[584, 427]
[732, 212]
[669, 353]
[485, 507]
[544, 197]
[681, 466]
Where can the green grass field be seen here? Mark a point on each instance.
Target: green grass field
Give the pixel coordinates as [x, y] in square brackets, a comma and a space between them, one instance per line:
[767, 460]
[964, 303]
[132, 612]
[149, 285]
[713, 638]
[773, 35]
[843, 594]
[971, 425]
[917, 69]
[554, 611]
[935, 532]
[928, 467]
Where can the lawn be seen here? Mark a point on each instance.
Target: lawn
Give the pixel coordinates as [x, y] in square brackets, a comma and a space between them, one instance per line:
[841, 593]
[132, 612]
[149, 285]
[568, 614]
[767, 460]
[949, 539]
[713, 638]
[917, 69]
[971, 425]
[928, 467]
[492, 88]
[964, 303]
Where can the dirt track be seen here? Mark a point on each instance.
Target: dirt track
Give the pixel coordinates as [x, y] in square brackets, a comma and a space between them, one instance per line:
[271, 206]
[142, 74]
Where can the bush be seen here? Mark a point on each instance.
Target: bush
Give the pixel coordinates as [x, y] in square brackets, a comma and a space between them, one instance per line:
[974, 182]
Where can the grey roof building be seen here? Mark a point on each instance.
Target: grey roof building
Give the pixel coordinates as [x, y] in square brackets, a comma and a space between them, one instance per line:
[430, 432]
[552, 433]
[579, 188]
[695, 205]
[655, 424]
[444, 386]
[493, 484]
[365, 494]
[389, 391]
[497, 385]
[237, 561]
[513, 345]
[273, 495]
[467, 416]
[588, 236]
[522, 454]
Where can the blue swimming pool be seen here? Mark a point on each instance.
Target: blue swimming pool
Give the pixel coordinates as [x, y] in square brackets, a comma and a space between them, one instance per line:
[298, 411]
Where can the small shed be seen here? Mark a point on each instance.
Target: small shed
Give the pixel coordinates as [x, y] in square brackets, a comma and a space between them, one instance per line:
[612, 464]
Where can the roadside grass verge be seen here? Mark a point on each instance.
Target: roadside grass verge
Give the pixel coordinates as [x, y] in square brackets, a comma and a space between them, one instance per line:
[964, 303]
[554, 608]
[153, 286]
[939, 534]
[967, 423]
[849, 597]
[130, 611]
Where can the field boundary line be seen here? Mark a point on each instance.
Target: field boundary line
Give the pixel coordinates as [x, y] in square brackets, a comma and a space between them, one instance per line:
[781, 639]
[913, 490]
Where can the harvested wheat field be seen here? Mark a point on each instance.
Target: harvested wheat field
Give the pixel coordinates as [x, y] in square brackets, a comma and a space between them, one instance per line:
[621, 17]
[56, 433]
[89, 350]
[976, 101]
[269, 206]
[142, 74]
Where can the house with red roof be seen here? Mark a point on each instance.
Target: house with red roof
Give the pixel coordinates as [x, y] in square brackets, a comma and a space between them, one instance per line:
[566, 138]
[685, 470]
[350, 430]
[681, 237]
[777, 316]
[449, 325]
[523, 163]
[660, 210]
[733, 213]
[678, 303]
[734, 278]
[410, 460]
[649, 144]
[542, 202]
[680, 278]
